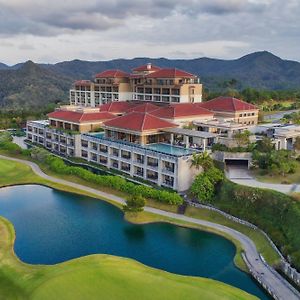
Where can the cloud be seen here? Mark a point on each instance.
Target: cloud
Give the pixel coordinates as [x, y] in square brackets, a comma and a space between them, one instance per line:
[67, 29]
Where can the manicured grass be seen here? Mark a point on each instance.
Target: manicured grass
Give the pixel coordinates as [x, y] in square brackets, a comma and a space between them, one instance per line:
[288, 178]
[91, 277]
[27, 176]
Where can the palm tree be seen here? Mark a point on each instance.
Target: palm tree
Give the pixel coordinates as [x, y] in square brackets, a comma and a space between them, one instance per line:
[201, 160]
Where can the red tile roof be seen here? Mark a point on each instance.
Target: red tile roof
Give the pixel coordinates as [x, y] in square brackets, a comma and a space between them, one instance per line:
[79, 117]
[112, 74]
[181, 110]
[137, 121]
[229, 104]
[118, 107]
[83, 82]
[145, 107]
[170, 73]
[147, 67]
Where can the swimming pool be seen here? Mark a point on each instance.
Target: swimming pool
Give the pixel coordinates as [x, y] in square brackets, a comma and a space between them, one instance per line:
[169, 149]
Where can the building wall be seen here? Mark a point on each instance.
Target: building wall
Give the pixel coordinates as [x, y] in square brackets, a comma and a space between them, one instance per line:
[249, 117]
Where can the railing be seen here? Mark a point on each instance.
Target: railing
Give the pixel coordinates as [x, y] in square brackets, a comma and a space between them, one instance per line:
[285, 266]
[130, 146]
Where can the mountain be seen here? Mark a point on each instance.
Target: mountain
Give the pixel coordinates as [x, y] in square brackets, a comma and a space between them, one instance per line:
[261, 70]
[3, 66]
[32, 86]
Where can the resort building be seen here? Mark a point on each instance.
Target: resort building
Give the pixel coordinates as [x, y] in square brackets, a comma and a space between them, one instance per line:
[233, 109]
[146, 83]
[146, 124]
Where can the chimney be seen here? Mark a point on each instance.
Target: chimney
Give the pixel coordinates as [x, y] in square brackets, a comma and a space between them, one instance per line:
[149, 66]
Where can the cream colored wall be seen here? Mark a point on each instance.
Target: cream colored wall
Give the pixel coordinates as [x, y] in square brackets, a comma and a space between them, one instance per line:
[186, 174]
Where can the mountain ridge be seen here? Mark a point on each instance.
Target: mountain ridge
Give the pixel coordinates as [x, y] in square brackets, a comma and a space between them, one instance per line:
[34, 85]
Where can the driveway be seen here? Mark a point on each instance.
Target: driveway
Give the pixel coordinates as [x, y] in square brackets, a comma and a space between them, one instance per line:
[241, 175]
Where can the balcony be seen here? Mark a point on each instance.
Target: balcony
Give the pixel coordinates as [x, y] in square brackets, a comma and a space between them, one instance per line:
[152, 163]
[125, 154]
[115, 165]
[139, 173]
[103, 160]
[84, 144]
[103, 149]
[115, 152]
[125, 167]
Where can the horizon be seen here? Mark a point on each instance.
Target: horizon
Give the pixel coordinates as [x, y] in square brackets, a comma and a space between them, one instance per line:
[152, 58]
[97, 30]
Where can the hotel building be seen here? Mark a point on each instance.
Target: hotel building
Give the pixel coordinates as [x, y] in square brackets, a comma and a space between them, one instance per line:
[145, 83]
[148, 138]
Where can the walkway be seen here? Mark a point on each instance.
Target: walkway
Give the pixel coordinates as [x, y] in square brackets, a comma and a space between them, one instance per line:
[271, 279]
[241, 175]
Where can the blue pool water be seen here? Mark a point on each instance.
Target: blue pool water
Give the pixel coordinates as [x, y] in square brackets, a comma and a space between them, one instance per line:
[53, 226]
[168, 149]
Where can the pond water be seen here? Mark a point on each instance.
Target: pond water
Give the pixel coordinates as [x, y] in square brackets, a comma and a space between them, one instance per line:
[53, 226]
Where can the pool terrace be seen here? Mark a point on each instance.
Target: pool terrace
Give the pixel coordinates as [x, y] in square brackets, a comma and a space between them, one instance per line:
[162, 148]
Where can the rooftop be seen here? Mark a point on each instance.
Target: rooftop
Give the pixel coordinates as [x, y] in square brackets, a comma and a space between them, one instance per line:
[193, 133]
[146, 68]
[229, 104]
[118, 107]
[80, 117]
[137, 121]
[115, 73]
[173, 111]
[170, 73]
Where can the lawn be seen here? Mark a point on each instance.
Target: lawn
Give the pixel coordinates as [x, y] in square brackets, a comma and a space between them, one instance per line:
[288, 179]
[29, 177]
[91, 277]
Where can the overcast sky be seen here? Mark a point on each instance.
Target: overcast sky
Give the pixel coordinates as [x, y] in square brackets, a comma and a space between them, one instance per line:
[51, 31]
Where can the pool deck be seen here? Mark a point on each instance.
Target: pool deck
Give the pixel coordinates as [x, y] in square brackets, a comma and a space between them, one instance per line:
[268, 277]
[159, 147]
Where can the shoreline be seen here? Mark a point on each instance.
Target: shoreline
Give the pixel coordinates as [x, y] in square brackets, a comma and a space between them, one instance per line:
[270, 279]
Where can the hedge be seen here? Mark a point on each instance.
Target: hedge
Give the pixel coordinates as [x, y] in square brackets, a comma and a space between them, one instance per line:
[115, 182]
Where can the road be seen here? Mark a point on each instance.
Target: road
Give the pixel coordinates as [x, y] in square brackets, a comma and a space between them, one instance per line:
[275, 117]
[271, 279]
[241, 175]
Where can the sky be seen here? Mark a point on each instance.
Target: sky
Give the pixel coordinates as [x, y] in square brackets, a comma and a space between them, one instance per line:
[52, 31]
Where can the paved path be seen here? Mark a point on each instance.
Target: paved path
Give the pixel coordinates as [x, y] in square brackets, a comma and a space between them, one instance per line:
[275, 117]
[19, 140]
[280, 287]
[241, 175]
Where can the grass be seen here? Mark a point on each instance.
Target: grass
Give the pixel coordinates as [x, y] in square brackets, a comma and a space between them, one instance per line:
[288, 178]
[259, 239]
[92, 277]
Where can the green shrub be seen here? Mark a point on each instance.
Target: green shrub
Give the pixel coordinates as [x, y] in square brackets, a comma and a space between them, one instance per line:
[276, 213]
[115, 182]
[135, 203]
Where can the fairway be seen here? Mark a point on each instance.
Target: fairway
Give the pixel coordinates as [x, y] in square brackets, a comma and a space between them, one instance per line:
[92, 277]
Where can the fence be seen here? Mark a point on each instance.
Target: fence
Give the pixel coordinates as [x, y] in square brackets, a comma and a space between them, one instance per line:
[284, 265]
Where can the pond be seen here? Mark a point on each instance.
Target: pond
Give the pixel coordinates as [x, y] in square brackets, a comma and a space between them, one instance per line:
[53, 226]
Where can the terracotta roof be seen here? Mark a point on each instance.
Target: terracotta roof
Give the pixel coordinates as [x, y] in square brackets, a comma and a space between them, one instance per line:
[118, 107]
[83, 82]
[227, 104]
[147, 67]
[145, 107]
[170, 73]
[137, 121]
[181, 110]
[79, 117]
[112, 74]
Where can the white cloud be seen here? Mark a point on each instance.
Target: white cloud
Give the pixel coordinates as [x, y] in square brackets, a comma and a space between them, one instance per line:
[54, 31]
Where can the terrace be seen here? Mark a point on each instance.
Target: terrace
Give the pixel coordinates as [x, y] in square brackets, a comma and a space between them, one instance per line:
[157, 148]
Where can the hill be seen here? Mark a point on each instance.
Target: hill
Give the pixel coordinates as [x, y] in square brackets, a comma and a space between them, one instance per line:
[31, 87]
[261, 70]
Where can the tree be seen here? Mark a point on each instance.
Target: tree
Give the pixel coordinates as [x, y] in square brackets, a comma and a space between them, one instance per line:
[265, 145]
[242, 138]
[134, 203]
[202, 160]
[202, 188]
